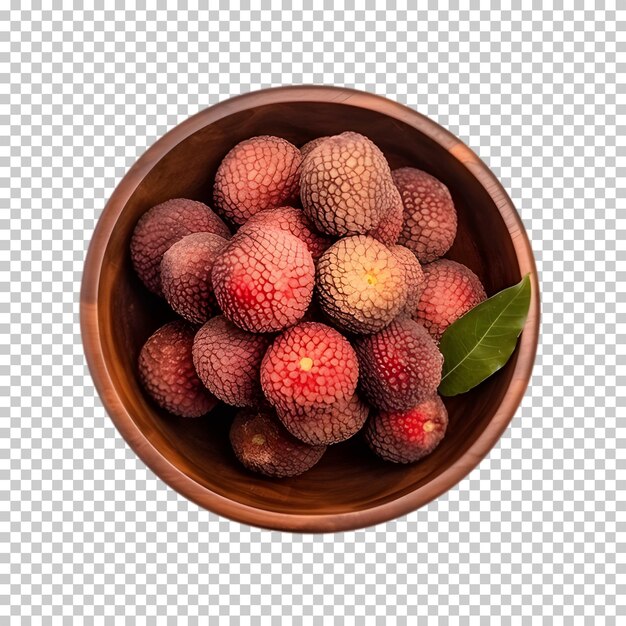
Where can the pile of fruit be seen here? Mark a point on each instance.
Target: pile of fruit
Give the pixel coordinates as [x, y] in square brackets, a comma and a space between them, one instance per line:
[313, 298]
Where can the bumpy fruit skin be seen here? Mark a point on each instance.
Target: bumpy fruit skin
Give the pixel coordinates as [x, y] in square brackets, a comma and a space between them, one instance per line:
[290, 220]
[345, 185]
[430, 219]
[263, 280]
[414, 277]
[361, 284]
[391, 222]
[328, 425]
[399, 366]
[167, 373]
[311, 145]
[228, 361]
[186, 275]
[262, 444]
[164, 225]
[257, 174]
[450, 291]
[407, 436]
[309, 366]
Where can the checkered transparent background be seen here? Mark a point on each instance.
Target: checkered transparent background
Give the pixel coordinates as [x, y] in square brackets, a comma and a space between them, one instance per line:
[90, 535]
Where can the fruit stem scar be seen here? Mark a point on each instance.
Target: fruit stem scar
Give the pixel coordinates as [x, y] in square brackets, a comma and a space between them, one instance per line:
[306, 363]
[428, 427]
[258, 440]
[371, 278]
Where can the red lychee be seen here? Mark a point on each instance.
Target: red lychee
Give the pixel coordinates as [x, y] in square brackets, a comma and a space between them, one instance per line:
[228, 361]
[263, 280]
[309, 366]
[262, 444]
[407, 436]
[167, 373]
[257, 174]
[430, 219]
[450, 290]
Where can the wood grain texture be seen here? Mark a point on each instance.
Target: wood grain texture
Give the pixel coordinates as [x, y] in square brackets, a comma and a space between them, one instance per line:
[350, 487]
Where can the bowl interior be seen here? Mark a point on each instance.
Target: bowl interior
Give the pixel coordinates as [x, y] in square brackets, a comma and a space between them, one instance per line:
[128, 314]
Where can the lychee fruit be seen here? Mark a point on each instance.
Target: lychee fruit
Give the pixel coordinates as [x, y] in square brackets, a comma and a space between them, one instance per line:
[257, 174]
[264, 279]
[186, 275]
[228, 361]
[430, 219]
[309, 366]
[164, 225]
[407, 436]
[450, 290]
[399, 366]
[414, 277]
[292, 221]
[262, 444]
[166, 371]
[390, 225]
[345, 185]
[361, 284]
[330, 424]
[311, 145]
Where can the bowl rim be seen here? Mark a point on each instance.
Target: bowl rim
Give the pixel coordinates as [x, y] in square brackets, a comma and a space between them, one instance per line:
[187, 486]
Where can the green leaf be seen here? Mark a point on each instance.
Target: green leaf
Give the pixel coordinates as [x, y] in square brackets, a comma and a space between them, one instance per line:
[481, 342]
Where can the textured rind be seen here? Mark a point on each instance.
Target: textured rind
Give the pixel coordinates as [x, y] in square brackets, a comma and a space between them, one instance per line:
[166, 371]
[345, 185]
[327, 425]
[391, 221]
[400, 437]
[228, 361]
[264, 279]
[430, 219]
[262, 444]
[257, 174]
[311, 145]
[332, 376]
[399, 366]
[414, 276]
[186, 275]
[161, 227]
[450, 291]
[290, 220]
[344, 274]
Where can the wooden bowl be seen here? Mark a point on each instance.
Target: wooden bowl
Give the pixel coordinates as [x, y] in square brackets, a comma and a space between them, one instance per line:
[350, 487]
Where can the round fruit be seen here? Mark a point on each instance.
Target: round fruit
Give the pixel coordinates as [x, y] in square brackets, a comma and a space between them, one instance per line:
[167, 373]
[264, 280]
[263, 445]
[186, 275]
[228, 361]
[257, 174]
[289, 220]
[309, 366]
[414, 277]
[324, 426]
[450, 290]
[345, 185]
[407, 436]
[399, 365]
[164, 225]
[361, 284]
[430, 219]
